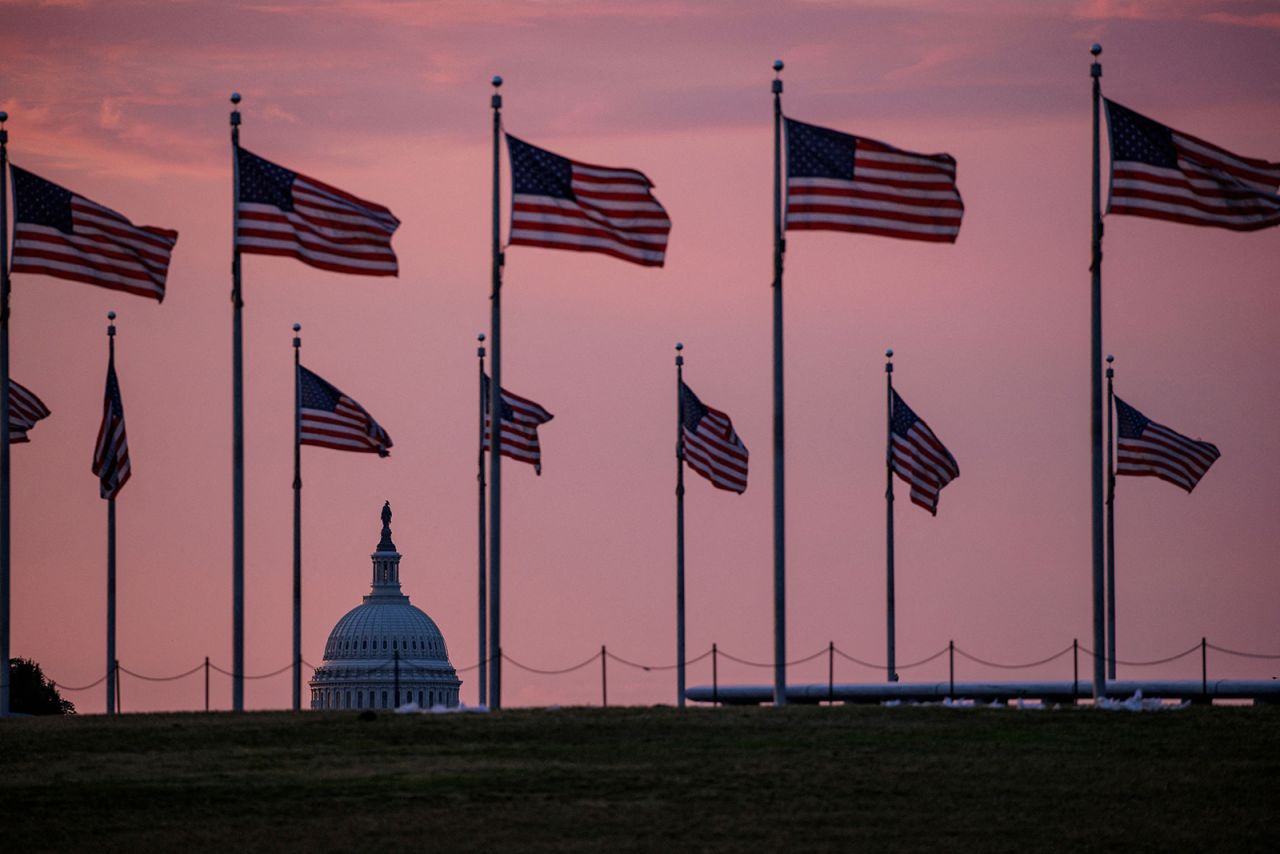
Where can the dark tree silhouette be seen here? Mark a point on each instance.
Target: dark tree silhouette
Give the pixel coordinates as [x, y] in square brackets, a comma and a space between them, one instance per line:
[30, 693]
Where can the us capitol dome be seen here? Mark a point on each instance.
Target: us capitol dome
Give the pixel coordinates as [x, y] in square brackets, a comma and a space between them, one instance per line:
[385, 653]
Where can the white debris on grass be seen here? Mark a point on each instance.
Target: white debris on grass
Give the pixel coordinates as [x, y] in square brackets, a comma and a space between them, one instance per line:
[1138, 703]
[461, 708]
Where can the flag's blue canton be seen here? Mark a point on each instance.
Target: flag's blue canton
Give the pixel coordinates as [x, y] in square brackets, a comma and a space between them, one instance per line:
[1132, 422]
[903, 418]
[113, 392]
[537, 172]
[1135, 137]
[508, 414]
[693, 408]
[318, 394]
[40, 202]
[263, 182]
[818, 152]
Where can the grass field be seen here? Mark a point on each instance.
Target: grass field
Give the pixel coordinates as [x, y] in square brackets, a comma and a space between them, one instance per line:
[848, 778]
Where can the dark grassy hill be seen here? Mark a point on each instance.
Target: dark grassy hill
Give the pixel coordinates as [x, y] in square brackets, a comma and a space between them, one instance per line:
[847, 778]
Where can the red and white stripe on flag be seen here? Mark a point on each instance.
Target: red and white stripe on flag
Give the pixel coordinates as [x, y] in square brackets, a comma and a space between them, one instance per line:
[1147, 449]
[712, 447]
[1161, 173]
[25, 409]
[111, 451]
[918, 456]
[519, 425]
[558, 203]
[840, 182]
[282, 212]
[59, 233]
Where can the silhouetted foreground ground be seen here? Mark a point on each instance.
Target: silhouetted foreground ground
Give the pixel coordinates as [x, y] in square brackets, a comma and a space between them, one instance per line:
[845, 778]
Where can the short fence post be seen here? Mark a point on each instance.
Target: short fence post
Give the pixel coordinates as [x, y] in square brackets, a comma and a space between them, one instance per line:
[831, 672]
[951, 667]
[1075, 670]
[715, 676]
[206, 683]
[1204, 668]
[604, 677]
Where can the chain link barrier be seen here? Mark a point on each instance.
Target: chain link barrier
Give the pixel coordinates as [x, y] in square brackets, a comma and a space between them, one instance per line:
[830, 650]
[985, 663]
[1193, 649]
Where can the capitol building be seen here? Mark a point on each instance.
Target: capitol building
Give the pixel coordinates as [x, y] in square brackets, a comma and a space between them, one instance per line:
[385, 653]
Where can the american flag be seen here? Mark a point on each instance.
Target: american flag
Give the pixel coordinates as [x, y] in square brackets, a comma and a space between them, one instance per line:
[330, 419]
[1147, 449]
[918, 457]
[284, 213]
[1161, 173]
[25, 409]
[711, 446]
[111, 453]
[839, 182]
[560, 203]
[519, 423]
[58, 233]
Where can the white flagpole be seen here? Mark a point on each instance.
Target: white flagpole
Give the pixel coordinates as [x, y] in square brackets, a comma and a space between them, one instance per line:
[237, 427]
[779, 464]
[112, 675]
[680, 646]
[1095, 398]
[5, 529]
[495, 432]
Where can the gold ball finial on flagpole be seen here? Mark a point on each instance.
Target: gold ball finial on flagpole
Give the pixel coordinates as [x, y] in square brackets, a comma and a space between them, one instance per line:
[111, 323]
[496, 81]
[4, 117]
[778, 65]
[1096, 50]
[679, 346]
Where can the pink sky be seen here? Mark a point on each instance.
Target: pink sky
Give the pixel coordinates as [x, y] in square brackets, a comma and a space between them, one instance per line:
[126, 103]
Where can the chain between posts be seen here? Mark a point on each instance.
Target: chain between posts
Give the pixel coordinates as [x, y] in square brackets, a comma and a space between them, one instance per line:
[829, 650]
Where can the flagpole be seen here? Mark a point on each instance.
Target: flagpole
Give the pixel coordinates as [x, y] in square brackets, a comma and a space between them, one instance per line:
[495, 434]
[1111, 524]
[890, 616]
[1095, 395]
[779, 464]
[111, 549]
[680, 648]
[297, 518]
[480, 526]
[237, 426]
[5, 529]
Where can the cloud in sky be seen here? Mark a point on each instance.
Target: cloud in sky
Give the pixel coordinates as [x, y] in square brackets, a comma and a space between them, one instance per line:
[1242, 13]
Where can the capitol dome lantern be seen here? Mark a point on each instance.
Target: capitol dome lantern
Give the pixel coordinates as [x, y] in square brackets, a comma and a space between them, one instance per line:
[385, 653]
